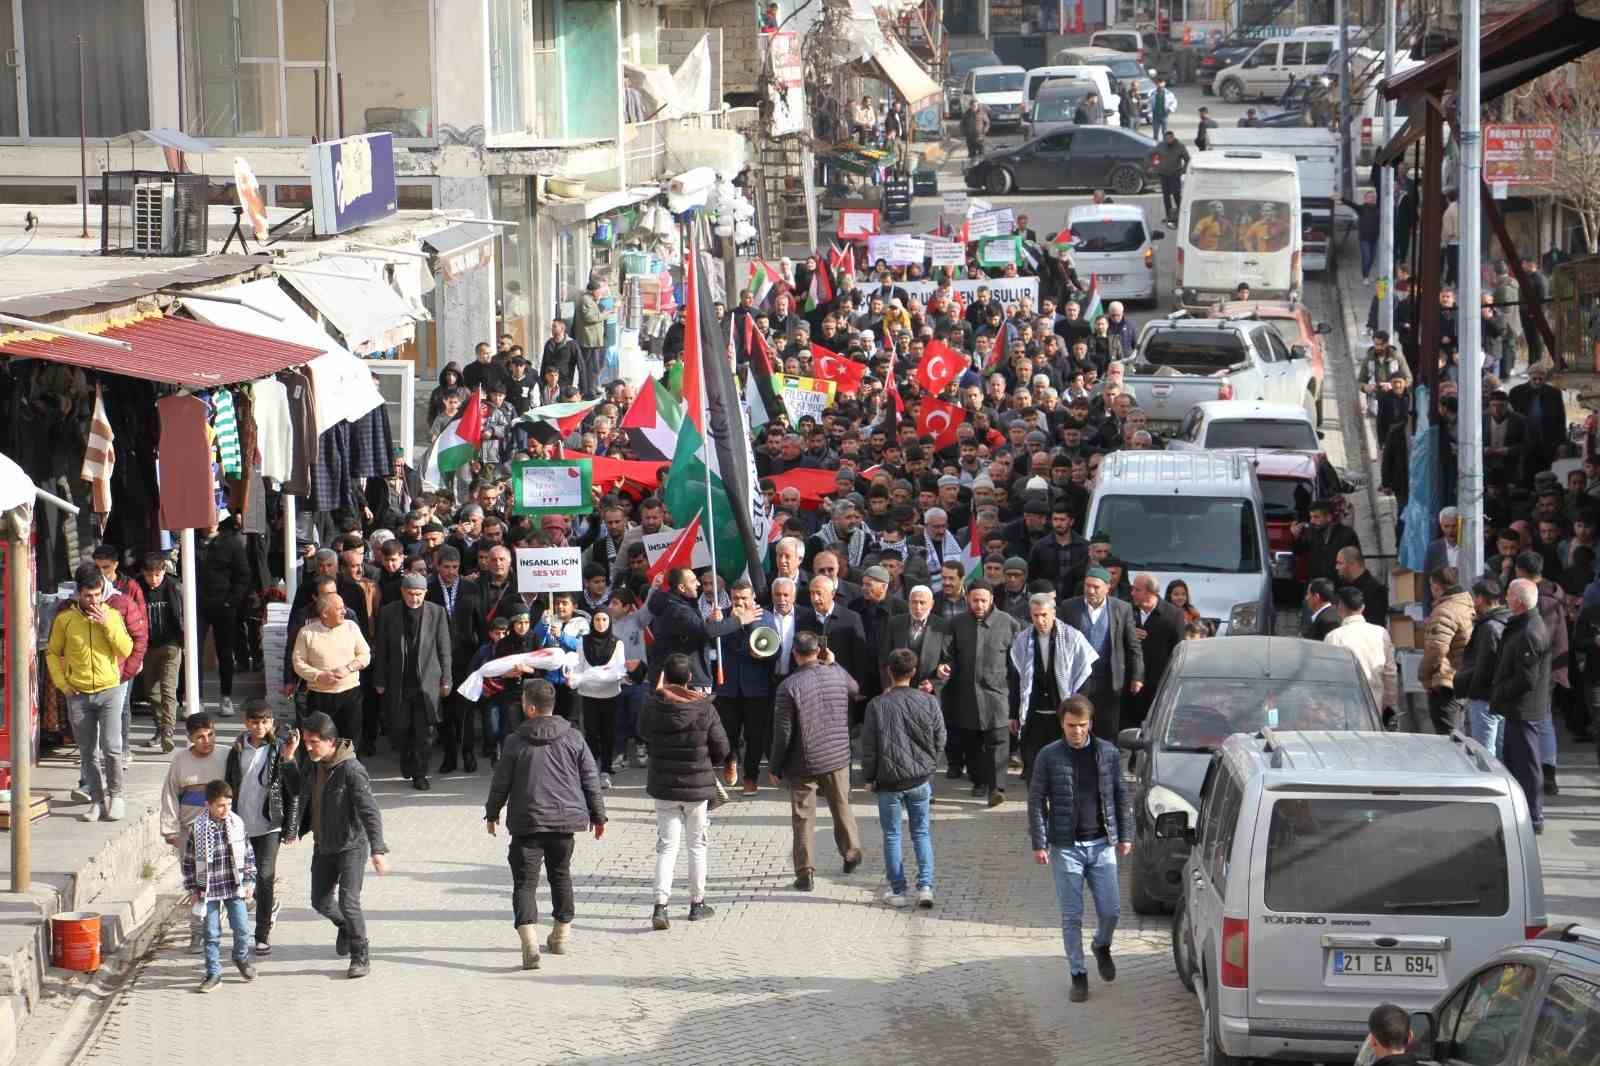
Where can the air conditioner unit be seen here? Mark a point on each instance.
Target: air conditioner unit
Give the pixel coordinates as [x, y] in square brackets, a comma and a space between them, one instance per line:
[153, 217]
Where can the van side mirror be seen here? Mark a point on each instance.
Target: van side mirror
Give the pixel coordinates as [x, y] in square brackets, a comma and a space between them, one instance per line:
[1323, 327]
[1297, 351]
[1423, 1038]
[1174, 825]
[1132, 740]
[1158, 235]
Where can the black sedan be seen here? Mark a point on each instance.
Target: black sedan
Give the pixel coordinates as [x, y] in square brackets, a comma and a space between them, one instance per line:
[1078, 157]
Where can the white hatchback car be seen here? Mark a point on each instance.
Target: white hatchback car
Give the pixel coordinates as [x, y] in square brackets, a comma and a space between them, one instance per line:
[1115, 245]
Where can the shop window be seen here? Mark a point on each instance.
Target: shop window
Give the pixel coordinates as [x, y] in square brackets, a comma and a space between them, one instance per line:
[414, 197]
[549, 101]
[39, 194]
[291, 195]
[117, 95]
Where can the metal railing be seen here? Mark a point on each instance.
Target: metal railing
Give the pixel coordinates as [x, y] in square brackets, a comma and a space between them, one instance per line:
[645, 143]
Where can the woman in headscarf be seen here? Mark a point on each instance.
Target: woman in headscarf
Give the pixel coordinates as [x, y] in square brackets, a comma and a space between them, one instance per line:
[598, 679]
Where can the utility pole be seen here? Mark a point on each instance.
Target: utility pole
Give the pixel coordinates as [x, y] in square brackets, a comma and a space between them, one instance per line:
[1386, 186]
[1469, 424]
[83, 138]
[1346, 160]
[19, 668]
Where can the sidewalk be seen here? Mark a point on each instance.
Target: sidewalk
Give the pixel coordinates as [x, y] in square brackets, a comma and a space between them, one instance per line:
[113, 868]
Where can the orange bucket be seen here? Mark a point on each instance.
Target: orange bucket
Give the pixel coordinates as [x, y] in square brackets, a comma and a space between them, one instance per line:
[75, 941]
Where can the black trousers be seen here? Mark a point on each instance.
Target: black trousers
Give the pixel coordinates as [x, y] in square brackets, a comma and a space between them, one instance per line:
[1445, 711]
[1171, 195]
[600, 729]
[1522, 759]
[567, 705]
[748, 721]
[589, 360]
[455, 729]
[343, 707]
[266, 849]
[955, 746]
[987, 754]
[223, 621]
[527, 854]
[336, 881]
[1107, 708]
[411, 732]
[1040, 729]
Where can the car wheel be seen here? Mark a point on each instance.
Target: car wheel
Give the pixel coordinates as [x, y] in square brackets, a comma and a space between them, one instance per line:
[1213, 1054]
[1126, 181]
[1139, 895]
[1182, 945]
[1232, 91]
[998, 182]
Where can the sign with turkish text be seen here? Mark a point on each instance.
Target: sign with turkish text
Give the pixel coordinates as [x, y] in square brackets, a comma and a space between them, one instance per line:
[946, 253]
[552, 486]
[857, 223]
[466, 259]
[803, 396]
[983, 224]
[1519, 153]
[894, 249]
[352, 182]
[1003, 290]
[659, 541]
[549, 569]
[955, 204]
[788, 66]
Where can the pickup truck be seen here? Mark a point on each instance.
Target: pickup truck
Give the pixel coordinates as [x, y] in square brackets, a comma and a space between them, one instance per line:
[1181, 361]
[1317, 157]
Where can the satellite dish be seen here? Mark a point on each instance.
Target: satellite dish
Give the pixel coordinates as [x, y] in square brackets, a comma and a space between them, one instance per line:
[250, 198]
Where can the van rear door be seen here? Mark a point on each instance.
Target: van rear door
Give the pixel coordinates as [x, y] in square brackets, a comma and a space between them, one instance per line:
[1359, 898]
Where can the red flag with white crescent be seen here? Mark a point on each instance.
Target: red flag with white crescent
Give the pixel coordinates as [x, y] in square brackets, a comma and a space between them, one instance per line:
[830, 366]
[940, 365]
[938, 420]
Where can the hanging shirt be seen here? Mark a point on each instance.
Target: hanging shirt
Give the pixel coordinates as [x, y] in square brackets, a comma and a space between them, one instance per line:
[303, 426]
[226, 424]
[269, 404]
[183, 463]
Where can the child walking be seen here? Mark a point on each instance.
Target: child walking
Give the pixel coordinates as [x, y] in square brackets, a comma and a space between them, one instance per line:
[219, 873]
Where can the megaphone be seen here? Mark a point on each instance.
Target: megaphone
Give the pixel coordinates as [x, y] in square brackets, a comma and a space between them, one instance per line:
[764, 642]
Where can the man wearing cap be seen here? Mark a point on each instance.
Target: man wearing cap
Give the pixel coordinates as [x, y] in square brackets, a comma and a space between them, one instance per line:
[1107, 624]
[982, 689]
[522, 389]
[1025, 532]
[411, 671]
[877, 609]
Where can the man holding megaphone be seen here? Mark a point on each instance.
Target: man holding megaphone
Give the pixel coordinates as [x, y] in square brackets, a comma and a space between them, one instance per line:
[744, 694]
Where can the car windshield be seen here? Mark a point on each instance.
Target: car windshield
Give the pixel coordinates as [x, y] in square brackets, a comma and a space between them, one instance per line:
[1287, 329]
[1193, 351]
[1287, 497]
[1208, 710]
[1389, 857]
[1123, 69]
[1187, 534]
[1108, 235]
[1009, 82]
[1262, 433]
[1055, 108]
[962, 62]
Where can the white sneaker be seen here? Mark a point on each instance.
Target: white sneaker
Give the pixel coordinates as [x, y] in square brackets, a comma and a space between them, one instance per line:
[92, 814]
[925, 898]
[118, 809]
[897, 900]
[225, 708]
[605, 782]
[80, 796]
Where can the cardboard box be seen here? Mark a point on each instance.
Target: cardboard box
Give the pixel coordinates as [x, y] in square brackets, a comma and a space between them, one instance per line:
[38, 807]
[1404, 631]
[1405, 586]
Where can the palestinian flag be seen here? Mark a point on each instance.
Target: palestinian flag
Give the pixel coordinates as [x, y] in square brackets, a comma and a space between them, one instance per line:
[713, 467]
[566, 417]
[762, 279]
[755, 409]
[764, 364]
[820, 294]
[652, 422]
[456, 445]
[1063, 240]
[1091, 307]
[972, 560]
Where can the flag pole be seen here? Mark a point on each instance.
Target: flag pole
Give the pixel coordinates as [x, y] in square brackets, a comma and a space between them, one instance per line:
[705, 437]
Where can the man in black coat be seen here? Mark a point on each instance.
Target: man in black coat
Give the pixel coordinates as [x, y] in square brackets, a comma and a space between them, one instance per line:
[877, 609]
[411, 673]
[1352, 569]
[982, 691]
[1319, 601]
[1107, 624]
[1521, 692]
[1320, 541]
[468, 631]
[842, 634]
[222, 580]
[679, 627]
[744, 696]
[1505, 439]
[1159, 626]
[1540, 403]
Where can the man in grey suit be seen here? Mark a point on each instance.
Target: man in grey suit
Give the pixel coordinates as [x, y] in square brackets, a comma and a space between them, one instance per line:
[411, 671]
[983, 688]
[1107, 624]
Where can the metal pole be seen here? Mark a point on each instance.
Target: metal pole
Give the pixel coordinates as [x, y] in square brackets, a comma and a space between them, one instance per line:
[1346, 161]
[19, 625]
[1386, 186]
[291, 542]
[1469, 432]
[191, 623]
[83, 140]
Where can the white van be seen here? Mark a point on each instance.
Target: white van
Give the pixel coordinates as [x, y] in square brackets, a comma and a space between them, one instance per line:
[1240, 221]
[1194, 516]
[1039, 76]
[999, 91]
[1330, 871]
[1113, 244]
[1272, 64]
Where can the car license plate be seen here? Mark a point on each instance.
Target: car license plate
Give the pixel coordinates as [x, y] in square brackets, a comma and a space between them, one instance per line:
[1384, 964]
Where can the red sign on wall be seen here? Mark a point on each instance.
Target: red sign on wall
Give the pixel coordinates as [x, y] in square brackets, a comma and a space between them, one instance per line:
[1519, 153]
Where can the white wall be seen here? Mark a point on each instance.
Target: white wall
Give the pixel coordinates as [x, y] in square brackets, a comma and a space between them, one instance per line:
[161, 62]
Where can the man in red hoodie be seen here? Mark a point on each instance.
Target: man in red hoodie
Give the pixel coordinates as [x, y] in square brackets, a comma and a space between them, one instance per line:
[124, 595]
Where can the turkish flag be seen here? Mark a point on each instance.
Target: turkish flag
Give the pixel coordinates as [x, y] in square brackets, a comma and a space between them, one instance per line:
[938, 420]
[830, 366]
[680, 552]
[940, 365]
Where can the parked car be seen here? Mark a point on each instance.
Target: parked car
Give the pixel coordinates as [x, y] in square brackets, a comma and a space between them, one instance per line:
[1293, 324]
[1332, 871]
[1115, 244]
[1141, 44]
[1232, 50]
[999, 91]
[1290, 483]
[1273, 64]
[1122, 67]
[1180, 362]
[1215, 424]
[1099, 157]
[1053, 108]
[1213, 689]
[1533, 1002]
[955, 75]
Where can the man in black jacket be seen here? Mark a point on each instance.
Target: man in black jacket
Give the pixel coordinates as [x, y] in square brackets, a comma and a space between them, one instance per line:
[1159, 626]
[1351, 567]
[1319, 601]
[843, 635]
[680, 629]
[552, 784]
[222, 579]
[1542, 406]
[163, 604]
[1521, 692]
[411, 673]
[1320, 541]
[1107, 623]
[900, 743]
[468, 631]
[340, 813]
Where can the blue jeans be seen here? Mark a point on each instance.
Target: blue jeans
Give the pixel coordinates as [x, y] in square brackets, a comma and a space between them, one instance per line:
[1486, 727]
[918, 803]
[237, 921]
[1547, 741]
[1158, 126]
[96, 719]
[629, 702]
[1071, 866]
[1369, 253]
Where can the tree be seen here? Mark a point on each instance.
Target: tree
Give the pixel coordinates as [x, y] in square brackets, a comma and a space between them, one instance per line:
[1569, 100]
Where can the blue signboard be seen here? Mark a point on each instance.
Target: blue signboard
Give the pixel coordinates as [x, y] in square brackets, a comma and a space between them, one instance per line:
[352, 182]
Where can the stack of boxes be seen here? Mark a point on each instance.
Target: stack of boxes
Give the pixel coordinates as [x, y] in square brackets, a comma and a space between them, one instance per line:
[274, 637]
[1405, 631]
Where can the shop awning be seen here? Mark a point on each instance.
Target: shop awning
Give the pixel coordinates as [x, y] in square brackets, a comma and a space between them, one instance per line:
[269, 312]
[462, 248]
[1512, 52]
[356, 298]
[903, 71]
[174, 351]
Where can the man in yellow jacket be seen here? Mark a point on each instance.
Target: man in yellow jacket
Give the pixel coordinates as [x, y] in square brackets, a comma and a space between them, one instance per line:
[88, 641]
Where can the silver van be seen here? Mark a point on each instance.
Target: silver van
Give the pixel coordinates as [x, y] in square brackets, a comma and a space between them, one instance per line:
[1195, 516]
[1330, 872]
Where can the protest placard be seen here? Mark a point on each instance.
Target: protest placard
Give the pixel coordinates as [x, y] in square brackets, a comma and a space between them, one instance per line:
[549, 569]
[803, 396]
[551, 486]
[659, 541]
